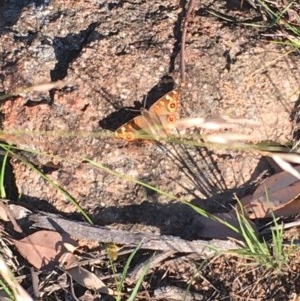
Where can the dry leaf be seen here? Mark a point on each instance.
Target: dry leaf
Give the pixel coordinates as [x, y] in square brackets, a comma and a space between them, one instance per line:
[89, 280]
[83, 276]
[276, 182]
[43, 248]
[279, 194]
[17, 211]
[215, 230]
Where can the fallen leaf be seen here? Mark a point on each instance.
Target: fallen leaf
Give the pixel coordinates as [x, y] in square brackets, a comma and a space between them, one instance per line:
[89, 280]
[278, 194]
[83, 276]
[276, 182]
[215, 230]
[43, 248]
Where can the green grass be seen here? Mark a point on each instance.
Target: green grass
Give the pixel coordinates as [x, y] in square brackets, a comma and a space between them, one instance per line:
[259, 252]
[121, 282]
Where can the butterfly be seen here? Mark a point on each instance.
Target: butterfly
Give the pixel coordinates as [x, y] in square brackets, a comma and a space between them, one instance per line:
[154, 123]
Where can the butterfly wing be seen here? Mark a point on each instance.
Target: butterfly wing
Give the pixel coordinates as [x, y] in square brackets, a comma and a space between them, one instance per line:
[131, 130]
[165, 111]
[155, 122]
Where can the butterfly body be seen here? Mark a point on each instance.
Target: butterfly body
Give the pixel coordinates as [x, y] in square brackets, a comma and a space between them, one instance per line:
[154, 123]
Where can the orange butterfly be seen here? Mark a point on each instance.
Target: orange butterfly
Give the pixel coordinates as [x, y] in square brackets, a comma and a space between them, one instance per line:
[154, 123]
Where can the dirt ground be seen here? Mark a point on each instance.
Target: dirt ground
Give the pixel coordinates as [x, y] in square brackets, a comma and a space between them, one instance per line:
[113, 55]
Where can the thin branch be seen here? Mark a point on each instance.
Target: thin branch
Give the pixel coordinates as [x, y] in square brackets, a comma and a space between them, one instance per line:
[183, 39]
[150, 241]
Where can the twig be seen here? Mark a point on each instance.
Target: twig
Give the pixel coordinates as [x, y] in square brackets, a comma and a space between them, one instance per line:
[183, 39]
[35, 283]
[10, 216]
[150, 241]
[175, 293]
[156, 259]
